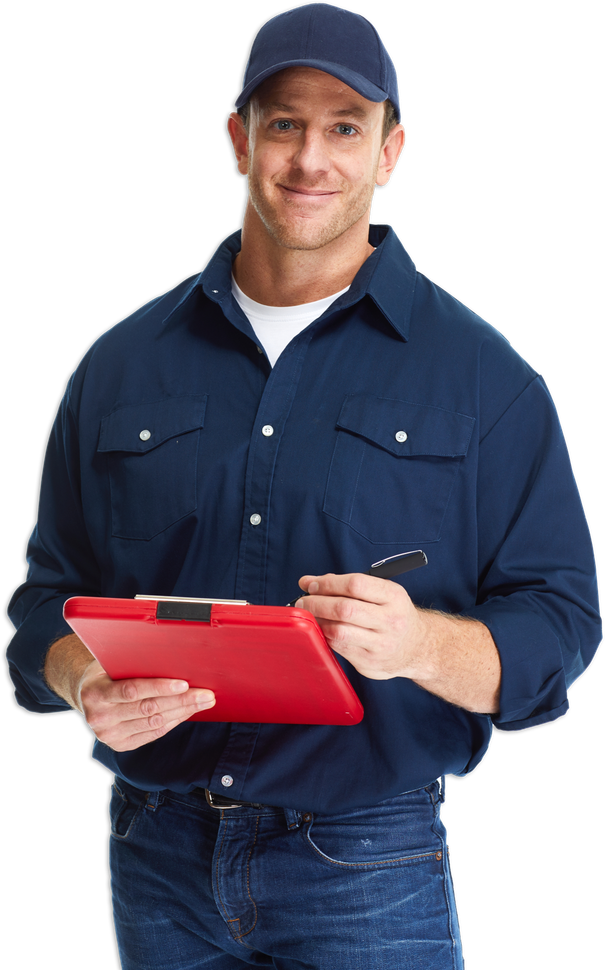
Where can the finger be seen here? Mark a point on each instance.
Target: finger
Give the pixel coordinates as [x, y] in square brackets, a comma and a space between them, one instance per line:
[343, 612]
[97, 690]
[131, 734]
[357, 586]
[105, 702]
[138, 688]
[159, 724]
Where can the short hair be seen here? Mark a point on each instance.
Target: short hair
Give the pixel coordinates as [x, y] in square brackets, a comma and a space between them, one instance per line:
[388, 122]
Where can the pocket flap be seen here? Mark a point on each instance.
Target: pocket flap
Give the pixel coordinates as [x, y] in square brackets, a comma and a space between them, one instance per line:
[141, 427]
[405, 429]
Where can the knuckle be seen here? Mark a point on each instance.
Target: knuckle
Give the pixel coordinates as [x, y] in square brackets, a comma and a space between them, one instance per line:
[156, 721]
[355, 586]
[337, 634]
[128, 690]
[344, 609]
[148, 707]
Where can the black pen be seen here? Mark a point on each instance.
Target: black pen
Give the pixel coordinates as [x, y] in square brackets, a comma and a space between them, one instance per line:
[388, 568]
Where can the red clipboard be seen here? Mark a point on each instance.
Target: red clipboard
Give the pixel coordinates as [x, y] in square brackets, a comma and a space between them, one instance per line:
[267, 664]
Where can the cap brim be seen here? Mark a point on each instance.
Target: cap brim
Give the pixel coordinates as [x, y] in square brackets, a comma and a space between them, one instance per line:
[360, 84]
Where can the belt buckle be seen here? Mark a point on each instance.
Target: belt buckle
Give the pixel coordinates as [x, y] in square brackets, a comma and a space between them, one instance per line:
[209, 797]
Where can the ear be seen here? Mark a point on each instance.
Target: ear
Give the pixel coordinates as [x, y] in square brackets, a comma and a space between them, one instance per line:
[389, 153]
[239, 138]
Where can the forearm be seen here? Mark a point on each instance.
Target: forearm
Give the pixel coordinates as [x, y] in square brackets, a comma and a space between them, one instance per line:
[374, 624]
[458, 661]
[65, 665]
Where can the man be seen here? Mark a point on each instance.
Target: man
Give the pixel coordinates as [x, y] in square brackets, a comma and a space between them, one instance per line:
[322, 409]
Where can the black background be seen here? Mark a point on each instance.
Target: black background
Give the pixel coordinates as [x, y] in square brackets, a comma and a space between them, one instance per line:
[123, 183]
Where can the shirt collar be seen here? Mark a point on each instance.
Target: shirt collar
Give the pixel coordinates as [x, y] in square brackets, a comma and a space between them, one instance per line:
[388, 276]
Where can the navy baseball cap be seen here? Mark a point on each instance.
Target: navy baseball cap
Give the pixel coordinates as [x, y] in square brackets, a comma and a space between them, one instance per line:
[330, 39]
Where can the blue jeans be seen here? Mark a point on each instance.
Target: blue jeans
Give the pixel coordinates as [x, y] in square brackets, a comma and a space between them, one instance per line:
[193, 886]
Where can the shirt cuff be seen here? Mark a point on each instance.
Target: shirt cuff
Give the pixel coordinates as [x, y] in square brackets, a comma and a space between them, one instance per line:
[27, 653]
[533, 688]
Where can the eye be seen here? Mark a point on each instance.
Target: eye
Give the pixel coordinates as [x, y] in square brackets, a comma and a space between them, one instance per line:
[283, 124]
[346, 130]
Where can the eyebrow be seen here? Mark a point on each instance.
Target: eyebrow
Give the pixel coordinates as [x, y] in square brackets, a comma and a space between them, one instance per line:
[353, 111]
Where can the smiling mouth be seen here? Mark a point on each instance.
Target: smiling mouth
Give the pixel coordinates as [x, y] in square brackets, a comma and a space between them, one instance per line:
[308, 193]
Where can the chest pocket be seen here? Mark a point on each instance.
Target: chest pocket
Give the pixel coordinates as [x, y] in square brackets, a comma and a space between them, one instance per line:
[152, 464]
[394, 466]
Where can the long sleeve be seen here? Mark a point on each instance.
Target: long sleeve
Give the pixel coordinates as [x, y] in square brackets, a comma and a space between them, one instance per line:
[537, 592]
[61, 564]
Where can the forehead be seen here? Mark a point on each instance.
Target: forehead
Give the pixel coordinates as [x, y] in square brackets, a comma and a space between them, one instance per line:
[297, 88]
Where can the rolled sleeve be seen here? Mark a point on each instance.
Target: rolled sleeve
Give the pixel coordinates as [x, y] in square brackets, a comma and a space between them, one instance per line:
[61, 564]
[27, 652]
[538, 593]
[533, 687]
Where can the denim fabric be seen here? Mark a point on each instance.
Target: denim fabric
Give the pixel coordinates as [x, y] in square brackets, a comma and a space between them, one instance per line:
[369, 889]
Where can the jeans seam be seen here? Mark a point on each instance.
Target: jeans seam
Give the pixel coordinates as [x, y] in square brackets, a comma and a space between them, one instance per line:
[237, 919]
[239, 939]
[447, 904]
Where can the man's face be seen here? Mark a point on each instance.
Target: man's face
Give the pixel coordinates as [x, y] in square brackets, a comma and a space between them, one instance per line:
[313, 158]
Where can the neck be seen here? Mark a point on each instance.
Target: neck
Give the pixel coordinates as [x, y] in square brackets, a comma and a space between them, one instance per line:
[278, 276]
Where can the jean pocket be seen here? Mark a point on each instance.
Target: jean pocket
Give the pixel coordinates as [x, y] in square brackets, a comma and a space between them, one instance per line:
[394, 466]
[124, 807]
[399, 832]
[152, 453]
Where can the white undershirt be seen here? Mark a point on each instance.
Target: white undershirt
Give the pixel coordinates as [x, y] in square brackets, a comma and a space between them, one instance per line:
[276, 326]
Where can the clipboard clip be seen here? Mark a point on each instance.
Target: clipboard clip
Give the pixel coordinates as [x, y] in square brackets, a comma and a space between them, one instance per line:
[186, 607]
[199, 612]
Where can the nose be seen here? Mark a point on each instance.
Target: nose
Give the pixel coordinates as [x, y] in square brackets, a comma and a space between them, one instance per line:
[312, 156]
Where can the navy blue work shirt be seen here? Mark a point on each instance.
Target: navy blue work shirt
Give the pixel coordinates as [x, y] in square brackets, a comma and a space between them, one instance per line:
[482, 482]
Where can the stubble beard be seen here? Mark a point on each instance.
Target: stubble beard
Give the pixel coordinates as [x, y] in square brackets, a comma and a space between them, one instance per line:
[311, 232]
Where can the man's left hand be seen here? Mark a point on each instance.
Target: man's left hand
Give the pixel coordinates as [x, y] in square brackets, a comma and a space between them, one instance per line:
[371, 622]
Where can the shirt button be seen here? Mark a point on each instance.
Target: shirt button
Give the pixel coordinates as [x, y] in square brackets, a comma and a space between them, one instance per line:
[255, 519]
[226, 781]
[401, 436]
[260, 349]
[267, 431]
[145, 435]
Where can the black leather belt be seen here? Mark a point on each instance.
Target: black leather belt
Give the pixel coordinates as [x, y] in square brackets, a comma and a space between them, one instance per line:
[220, 802]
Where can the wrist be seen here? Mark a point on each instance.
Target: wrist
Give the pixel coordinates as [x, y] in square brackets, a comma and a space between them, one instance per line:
[66, 665]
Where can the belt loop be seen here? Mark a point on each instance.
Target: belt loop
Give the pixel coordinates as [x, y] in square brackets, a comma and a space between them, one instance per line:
[152, 800]
[442, 788]
[293, 818]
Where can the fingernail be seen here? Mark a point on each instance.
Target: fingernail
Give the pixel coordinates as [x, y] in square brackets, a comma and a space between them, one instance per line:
[204, 699]
[313, 587]
[179, 686]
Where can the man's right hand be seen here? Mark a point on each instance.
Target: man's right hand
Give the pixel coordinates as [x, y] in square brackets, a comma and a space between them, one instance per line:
[124, 714]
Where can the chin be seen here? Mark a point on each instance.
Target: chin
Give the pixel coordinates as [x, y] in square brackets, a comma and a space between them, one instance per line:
[304, 234]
